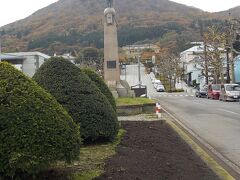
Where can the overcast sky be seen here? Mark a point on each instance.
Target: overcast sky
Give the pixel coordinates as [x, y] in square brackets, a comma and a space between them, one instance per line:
[211, 5]
[12, 10]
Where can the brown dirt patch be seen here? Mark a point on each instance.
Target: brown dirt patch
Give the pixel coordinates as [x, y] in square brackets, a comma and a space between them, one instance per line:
[152, 150]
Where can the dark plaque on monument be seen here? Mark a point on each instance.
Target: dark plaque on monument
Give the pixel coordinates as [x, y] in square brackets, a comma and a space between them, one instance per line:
[111, 64]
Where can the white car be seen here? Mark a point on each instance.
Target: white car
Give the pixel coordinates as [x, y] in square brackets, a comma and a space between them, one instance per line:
[230, 92]
[152, 76]
[153, 80]
[160, 88]
[156, 83]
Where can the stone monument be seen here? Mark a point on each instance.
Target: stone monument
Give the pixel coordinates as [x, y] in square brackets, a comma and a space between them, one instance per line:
[111, 59]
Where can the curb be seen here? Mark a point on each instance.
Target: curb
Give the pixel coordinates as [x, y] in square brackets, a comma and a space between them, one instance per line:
[218, 169]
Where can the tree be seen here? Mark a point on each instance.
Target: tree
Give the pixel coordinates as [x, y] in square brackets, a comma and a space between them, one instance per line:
[101, 85]
[81, 98]
[169, 64]
[215, 44]
[90, 52]
[35, 131]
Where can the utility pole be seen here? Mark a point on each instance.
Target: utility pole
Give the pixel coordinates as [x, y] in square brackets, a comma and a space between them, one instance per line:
[228, 48]
[232, 36]
[228, 63]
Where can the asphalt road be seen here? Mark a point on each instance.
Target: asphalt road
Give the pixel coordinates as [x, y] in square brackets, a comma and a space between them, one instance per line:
[216, 122]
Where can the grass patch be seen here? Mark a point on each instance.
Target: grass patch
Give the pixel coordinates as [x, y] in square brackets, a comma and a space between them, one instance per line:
[89, 166]
[92, 159]
[133, 101]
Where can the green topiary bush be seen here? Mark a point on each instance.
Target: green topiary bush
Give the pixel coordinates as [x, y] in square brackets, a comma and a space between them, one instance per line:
[101, 85]
[35, 130]
[80, 97]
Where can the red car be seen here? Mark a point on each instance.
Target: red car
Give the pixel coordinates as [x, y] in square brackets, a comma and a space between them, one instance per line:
[214, 91]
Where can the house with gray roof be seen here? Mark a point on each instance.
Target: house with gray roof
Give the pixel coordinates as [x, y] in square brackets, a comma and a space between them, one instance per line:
[27, 62]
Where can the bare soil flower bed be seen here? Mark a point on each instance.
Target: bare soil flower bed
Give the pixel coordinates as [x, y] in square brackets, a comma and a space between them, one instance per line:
[153, 150]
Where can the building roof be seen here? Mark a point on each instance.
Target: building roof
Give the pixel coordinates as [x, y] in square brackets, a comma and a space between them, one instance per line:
[11, 57]
[196, 49]
[199, 49]
[141, 46]
[67, 56]
[30, 54]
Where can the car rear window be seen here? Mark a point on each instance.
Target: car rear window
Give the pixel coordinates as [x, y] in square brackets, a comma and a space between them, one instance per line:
[232, 88]
[216, 87]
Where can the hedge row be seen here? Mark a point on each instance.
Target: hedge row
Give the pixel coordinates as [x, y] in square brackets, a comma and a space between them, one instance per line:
[85, 103]
[101, 85]
[35, 131]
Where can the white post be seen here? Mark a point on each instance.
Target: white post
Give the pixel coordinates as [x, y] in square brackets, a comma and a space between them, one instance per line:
[158, 110]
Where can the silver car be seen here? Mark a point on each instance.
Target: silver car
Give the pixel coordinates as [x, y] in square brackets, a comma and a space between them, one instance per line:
[230, 92]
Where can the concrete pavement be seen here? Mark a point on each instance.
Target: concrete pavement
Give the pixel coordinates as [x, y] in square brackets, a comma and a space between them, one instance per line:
[216, 123]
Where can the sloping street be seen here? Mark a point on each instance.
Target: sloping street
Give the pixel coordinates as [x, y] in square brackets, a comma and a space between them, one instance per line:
[216, 123]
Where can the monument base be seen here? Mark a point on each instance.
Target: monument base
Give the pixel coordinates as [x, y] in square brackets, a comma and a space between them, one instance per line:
[123, 91]
[120, 89]
[115, 94]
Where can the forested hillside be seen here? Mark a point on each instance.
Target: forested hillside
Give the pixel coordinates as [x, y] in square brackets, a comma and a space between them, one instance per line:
[69, 25]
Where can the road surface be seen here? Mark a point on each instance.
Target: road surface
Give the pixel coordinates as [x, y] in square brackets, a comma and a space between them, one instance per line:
[215, 122]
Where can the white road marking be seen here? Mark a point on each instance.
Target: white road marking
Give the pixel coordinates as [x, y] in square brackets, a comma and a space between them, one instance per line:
[197, 103]
[229, 111]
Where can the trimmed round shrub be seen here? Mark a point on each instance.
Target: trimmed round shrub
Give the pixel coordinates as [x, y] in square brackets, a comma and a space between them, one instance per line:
[101, 85]
[35, 130]
[81, 98]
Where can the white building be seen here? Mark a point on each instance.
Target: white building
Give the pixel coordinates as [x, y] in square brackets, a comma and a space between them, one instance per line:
[27, 62]
[68, 57]
[191, 61]
[132, 50]
[191, 67]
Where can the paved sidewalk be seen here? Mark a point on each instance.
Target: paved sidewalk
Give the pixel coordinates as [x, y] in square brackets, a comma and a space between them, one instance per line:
[142, 117]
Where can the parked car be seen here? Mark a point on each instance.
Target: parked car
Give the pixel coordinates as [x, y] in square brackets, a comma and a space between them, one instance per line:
[156, 83]
[213, 91]
[230, 92]
[201, 92]
[160, 88]
[152, 76]
[153, 80]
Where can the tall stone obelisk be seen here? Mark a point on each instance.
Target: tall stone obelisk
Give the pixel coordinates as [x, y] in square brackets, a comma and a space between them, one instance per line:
[111, 59]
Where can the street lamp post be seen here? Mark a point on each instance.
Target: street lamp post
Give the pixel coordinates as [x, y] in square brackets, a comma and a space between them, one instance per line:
[139, 73]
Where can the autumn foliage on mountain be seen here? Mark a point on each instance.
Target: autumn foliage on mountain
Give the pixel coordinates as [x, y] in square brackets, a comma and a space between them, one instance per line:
[69, 25]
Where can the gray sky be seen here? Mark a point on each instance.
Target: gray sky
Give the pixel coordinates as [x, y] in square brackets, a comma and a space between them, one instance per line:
[12, 10]
[211, 5]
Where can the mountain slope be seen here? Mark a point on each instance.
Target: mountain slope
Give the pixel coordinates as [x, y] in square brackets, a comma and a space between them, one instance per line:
[234, 12]
[71, 24]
